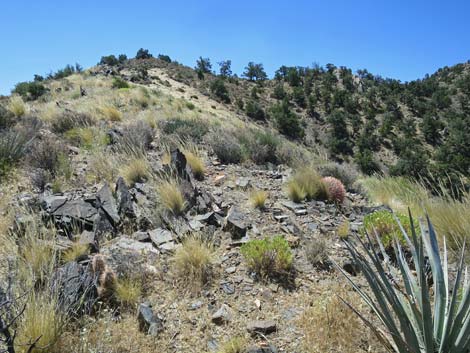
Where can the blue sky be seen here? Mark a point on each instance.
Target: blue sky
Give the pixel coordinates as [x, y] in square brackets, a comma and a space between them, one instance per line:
[399, 39]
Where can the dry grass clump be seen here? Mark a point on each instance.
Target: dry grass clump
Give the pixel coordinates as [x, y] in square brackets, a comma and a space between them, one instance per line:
[329, 326]
[42, 321]
[74, 252]
[111, 336]
[128, 291]
[343, 230]
[103, 166]
[449, 215]
[258, 198]
[234, 345]
[398, 193]
[195, 162]
[171, 196]
[193, 262]
[306, 184]
[141, 97]
[111, 113]
[37, 253]
[17, 106]
[63, 122]
[317, 252]
[136, 171]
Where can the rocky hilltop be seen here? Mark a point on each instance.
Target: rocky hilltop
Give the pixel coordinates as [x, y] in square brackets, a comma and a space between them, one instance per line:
[146, 205]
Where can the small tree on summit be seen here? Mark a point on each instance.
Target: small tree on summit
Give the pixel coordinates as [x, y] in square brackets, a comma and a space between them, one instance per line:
[203, 66]
[255, 72]
[225, 68]
[143, 54]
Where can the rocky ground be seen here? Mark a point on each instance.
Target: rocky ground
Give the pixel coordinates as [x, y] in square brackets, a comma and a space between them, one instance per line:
[234, 302]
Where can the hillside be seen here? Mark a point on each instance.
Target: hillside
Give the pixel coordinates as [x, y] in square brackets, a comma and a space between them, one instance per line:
[145, 205]
[410, 129]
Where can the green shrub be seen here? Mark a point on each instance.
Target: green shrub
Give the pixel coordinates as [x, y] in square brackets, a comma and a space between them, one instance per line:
[30, 90]
[287, 122]
[386, 226]
[69, 120]
[164, 57]
[269, 257]
[13, 146]
[194, 129]
[219, 90]
[344, 172]
[261, 146]
[119, 83]
[226, 147]
[143, 54]
[254, 110]
[109, 60]
[7, 118]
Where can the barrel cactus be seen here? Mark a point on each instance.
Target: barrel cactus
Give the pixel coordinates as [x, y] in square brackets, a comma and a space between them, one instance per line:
[336, 190]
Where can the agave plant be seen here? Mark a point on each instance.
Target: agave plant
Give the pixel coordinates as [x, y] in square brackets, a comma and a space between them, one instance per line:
[416, 319]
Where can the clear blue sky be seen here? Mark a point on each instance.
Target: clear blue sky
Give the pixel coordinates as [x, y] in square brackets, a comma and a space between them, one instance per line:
[394, 38]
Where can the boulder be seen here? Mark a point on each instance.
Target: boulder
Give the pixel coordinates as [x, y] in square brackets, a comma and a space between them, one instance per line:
[162, 239]
[261, 326]
[75, 212]
[106, 201]
[235, 223]
[76, 287]
[223, 315]
[125, 202]
[149, 322]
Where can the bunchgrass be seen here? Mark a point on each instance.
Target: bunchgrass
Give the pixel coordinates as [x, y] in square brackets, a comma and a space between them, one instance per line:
[136, 171]
[258, 199]
[128, 291]
[17, 106]
[74, 252]
[171, 196]
[306, 184]
[42, 322]
[193, 262]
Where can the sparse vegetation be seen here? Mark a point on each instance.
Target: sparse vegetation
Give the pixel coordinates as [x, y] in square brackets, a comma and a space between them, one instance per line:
[111, 113]
[234, 345]
[75, 251]
[326, 321]
[226, 147]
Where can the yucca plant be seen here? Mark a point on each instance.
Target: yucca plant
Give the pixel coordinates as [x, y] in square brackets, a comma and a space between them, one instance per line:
[417, 319]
